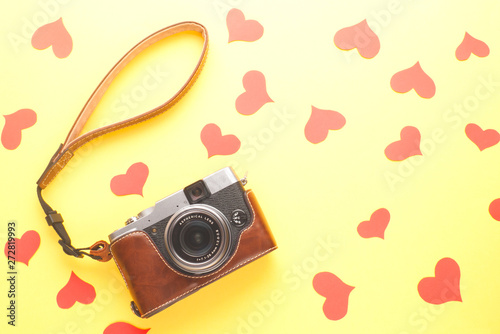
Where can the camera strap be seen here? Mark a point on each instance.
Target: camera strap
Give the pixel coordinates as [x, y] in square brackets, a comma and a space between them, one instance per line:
[100, 250]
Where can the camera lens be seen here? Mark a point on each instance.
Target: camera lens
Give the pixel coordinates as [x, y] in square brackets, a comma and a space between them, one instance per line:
[197, 239]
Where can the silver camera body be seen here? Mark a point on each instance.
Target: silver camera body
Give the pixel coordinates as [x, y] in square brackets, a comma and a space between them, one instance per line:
[196, 229]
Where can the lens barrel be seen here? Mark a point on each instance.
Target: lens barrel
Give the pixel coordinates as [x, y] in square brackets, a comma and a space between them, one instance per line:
[197, 239]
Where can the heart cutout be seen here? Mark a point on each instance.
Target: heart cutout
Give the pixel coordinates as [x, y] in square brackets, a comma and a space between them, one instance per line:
[241, 29]
[53, 34]
[376, 226]
[414, 78]
[494, 209]
[408, 146]
[15, 123]
[216, 143]
[76, 290]
[336, 293]
[124, 328]
[444, 286]
[255, 95]
[25, 247]
[321, 122]
[482, 138]
[132, 182]
[358, 36]
[471, 45]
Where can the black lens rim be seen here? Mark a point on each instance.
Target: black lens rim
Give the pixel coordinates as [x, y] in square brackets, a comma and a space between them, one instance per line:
[187, 231]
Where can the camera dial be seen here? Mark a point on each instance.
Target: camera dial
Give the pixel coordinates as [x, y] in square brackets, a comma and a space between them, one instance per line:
[131, 220]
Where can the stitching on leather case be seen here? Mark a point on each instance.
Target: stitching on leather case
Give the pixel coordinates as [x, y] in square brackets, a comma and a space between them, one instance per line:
[224, 273]
[213, 279]
[119, 268]
[149, 240]
[199, 286]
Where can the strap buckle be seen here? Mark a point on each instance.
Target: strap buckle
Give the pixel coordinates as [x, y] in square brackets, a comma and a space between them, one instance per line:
[98, 251]
[53, 218]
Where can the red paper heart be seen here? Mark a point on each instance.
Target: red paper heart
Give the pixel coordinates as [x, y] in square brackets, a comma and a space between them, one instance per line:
[358, 36]
[336, 292]
[408, 146]
[320, 122]
[53, 34]
[14, 124]
[76, 290]
[482, 138]
[25, 247]
[131, 182]
[414, 78]
[124, 328]
[375, 227]
[241, 29]
[216, 143]
[471, 45]
[494, 209]
[444, 286]
[255, 95]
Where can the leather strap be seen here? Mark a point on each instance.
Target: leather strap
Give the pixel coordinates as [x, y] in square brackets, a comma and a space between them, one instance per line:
[74, 140]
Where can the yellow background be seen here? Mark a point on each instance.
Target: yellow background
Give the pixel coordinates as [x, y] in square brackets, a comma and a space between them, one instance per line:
[311, 194]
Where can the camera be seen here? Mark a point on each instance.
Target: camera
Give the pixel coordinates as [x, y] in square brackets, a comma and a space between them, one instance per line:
[188, 240]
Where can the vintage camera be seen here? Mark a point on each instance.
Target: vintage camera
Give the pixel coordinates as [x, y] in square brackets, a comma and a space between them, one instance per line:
[188, 240]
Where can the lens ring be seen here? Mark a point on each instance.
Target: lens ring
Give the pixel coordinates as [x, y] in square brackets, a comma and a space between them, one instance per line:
[191, 251]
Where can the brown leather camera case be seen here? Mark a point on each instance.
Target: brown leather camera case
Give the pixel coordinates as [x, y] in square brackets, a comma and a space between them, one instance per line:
[154, 285]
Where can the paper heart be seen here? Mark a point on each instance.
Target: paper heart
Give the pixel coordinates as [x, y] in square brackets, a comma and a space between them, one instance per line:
[25, 247]
[255, 95]
[336, 293]
[216, 143]
[124, 328]
[444, 286]
[241, 29]
[494, 209]
[14, 124]
[482, 138]
[375, 227]
[320, 122]
[358, 36]
[53, 34]
[414, 78]
[471, 45]
[408, 146]
[76, 290]
[132, 182]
